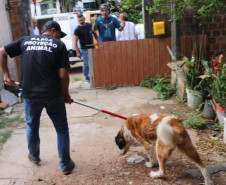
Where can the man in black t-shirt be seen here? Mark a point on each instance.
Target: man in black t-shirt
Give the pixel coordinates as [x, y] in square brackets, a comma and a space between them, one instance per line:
[45, 84]
[84, 34]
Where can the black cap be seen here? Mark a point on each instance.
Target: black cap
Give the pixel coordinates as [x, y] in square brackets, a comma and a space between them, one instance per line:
[104, 6]
[53, 24]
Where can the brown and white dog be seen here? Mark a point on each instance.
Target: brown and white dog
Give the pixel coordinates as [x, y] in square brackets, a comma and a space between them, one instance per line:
[159, 134]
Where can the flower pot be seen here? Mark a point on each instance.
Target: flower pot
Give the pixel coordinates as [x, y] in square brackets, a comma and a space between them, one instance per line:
[194, 98]
[221, 114]
[208, 111]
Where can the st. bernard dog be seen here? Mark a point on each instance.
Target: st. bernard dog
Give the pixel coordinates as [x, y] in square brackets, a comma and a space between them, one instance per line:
[159, 134]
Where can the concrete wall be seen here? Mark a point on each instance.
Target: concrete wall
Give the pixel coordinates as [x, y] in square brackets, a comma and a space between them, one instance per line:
[5, 38]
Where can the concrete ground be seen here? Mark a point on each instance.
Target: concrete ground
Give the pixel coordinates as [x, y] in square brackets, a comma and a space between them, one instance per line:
[92, 142]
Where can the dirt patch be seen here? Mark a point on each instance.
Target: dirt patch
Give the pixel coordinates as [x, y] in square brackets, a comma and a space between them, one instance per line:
[93, 148]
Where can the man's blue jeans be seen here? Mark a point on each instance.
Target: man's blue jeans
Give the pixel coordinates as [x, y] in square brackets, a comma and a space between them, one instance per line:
[85, 67]
[55, 108]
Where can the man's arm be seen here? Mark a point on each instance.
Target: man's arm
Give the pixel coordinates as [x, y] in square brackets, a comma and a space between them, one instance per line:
[76, 46]
[64, 79]
[4, 68]
[94, 28]
[95, 36]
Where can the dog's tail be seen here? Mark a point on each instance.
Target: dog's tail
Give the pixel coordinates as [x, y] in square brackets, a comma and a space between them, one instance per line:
[165, 133]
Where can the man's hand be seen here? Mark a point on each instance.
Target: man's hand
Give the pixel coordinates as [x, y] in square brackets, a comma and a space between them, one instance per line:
[78, 54]
[67, 98]
[9, 81]
[123, 24]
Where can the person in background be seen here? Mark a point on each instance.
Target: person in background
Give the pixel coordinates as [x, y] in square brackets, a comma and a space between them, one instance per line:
[35, 28]
[106, 24]
[45, 84]
[83, 32]
[129, 31]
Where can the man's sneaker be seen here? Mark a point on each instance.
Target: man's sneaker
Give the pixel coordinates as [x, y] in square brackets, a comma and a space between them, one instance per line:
[35, 161]
[69, 169]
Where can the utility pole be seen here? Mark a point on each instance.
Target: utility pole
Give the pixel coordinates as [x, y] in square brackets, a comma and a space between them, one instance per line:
[25, 17]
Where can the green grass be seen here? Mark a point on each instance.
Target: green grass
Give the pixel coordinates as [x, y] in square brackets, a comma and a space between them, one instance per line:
[10, 121]
[1, 112]
[82, 100]
[4, 136]
[76, 79]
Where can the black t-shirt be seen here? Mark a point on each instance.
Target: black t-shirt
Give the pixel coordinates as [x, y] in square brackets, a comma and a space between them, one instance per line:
[42, 56]
[84, 35]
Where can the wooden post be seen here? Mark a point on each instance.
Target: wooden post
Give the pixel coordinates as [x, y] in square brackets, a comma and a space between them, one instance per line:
[148, 19]
[175, 34]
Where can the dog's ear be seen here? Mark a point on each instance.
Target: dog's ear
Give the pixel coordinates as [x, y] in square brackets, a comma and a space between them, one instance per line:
[120, 140]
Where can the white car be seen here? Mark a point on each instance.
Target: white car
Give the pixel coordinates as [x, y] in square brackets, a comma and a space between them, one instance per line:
[51, 11]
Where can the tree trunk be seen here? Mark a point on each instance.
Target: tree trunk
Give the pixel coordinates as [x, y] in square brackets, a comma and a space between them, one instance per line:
[63, 6]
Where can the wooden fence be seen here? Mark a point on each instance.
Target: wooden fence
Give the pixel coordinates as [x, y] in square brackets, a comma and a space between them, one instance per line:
[128, 62]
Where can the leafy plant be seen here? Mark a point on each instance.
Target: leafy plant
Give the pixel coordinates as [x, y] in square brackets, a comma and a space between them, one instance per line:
[113, 87]
[134, 9]
[219, 127]
[202, 10]
[217, 88]
[190, 74]
[195, 120]
[148, 82]
[161, 84]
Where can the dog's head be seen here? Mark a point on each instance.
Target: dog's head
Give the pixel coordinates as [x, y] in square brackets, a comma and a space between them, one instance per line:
[122, 142]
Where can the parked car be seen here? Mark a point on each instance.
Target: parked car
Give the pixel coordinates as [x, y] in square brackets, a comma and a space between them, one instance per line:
[51, 11]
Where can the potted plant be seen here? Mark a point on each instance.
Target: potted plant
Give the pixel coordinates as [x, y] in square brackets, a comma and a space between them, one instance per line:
[190, 75]
[218, 85]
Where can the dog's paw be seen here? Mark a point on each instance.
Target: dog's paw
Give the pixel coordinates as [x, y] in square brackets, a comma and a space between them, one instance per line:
[149, 164]
[157, 174]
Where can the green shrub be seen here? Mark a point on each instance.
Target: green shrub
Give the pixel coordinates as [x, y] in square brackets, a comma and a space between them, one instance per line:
[195, 120]
[161, 84]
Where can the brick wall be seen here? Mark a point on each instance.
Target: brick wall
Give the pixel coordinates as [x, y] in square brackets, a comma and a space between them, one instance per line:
[15, 27]
[216, 36]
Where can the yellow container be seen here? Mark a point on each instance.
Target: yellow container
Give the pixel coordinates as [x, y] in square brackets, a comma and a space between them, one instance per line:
[159, 28]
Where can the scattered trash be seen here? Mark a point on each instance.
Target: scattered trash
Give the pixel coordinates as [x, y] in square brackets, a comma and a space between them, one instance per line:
[134, 159]
[39, 179]
[126, 173]
[131, 182]
[162, 107]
